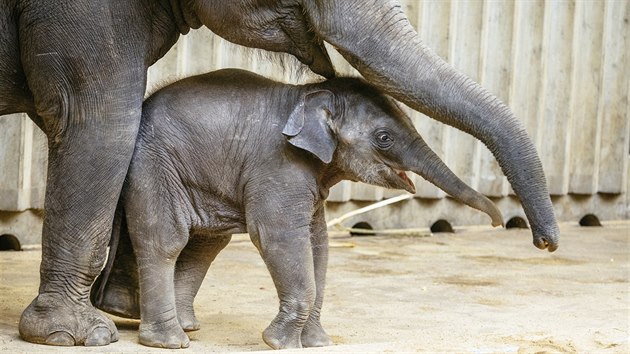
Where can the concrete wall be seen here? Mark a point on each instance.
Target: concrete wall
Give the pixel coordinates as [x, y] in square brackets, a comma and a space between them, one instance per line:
[563, 66]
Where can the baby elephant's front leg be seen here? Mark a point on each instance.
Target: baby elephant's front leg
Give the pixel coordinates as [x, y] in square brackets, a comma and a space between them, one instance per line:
[289, 258]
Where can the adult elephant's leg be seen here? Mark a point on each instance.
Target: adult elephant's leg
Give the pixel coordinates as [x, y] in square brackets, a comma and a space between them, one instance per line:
[87, 166]
[86, 169]
[88, 93]
[313, 334]
[191, 267]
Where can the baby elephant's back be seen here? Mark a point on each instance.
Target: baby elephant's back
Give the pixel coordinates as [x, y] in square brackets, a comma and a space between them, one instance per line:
[210, 107]
[215, 98]
[214, 130]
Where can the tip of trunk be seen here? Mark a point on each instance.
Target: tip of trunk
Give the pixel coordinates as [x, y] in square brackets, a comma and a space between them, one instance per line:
[492, 211]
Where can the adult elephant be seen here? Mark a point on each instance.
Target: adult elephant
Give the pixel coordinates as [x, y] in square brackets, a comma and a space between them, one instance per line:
[78, 68]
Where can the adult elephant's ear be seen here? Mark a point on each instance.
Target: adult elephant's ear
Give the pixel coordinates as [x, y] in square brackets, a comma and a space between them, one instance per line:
[308, 127]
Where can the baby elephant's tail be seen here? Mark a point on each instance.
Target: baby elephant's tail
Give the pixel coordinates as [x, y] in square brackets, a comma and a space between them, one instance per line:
[116, 289]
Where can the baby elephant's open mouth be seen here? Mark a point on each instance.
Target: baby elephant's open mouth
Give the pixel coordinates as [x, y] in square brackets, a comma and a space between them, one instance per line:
[404, 181]
[404, 177]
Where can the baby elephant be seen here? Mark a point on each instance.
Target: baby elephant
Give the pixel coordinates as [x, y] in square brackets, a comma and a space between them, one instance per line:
[232, 152]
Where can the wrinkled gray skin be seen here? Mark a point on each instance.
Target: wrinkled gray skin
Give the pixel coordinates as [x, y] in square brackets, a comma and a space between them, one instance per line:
[232, 152]
[79, 71]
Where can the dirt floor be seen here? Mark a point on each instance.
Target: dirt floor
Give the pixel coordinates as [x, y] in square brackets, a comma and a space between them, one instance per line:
[475, 291]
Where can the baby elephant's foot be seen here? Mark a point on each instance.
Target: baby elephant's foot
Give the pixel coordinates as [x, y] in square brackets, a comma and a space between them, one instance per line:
[281, 337]
[313, 335]
[188, 321]
[163, 335]
[286, 329]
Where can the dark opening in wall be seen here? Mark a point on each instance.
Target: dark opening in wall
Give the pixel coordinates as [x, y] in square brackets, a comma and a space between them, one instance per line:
[516, 222]
[442, 226]
[9, 242]
[590, 220]
[362, 225]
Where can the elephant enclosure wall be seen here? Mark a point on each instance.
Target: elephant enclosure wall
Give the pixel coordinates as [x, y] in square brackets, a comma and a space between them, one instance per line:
[563, 67]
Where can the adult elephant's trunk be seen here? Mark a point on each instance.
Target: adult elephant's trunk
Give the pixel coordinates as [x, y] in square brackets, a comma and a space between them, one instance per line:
[377, 39]
[424, 162]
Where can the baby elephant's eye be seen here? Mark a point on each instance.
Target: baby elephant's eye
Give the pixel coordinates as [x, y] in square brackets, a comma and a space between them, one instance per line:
[383, 139]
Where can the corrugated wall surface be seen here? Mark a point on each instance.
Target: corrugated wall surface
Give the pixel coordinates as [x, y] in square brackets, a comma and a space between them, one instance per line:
[563, 67]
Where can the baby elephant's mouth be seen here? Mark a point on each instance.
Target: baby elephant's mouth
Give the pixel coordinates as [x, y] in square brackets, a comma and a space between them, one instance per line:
[404, 181]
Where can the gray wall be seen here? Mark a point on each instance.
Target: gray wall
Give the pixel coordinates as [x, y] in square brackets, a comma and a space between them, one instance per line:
[563, 66]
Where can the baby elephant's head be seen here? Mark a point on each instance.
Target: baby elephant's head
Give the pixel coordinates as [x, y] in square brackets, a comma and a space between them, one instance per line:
[365, 135]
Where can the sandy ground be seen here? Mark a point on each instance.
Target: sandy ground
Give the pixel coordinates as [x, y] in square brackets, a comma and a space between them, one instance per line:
[476, 291]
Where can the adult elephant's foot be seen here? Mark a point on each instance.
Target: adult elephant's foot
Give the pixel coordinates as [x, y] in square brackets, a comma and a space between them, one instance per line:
[54, 321]
[116, 290]
[163, 335]
[313, 335]
[116, 296]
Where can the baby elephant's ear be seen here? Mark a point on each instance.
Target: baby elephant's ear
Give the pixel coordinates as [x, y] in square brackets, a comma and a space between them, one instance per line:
[308, 126]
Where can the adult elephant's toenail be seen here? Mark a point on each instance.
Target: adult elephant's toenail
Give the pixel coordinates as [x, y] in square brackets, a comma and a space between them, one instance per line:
[115, 336]
[100, 336]
[60, 338]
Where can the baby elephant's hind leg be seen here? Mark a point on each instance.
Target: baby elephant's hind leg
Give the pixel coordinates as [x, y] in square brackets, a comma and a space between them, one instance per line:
[190, 270]
[157, 242]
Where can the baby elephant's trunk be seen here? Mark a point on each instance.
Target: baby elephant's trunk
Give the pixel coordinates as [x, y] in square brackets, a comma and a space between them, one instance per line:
[427, 164]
